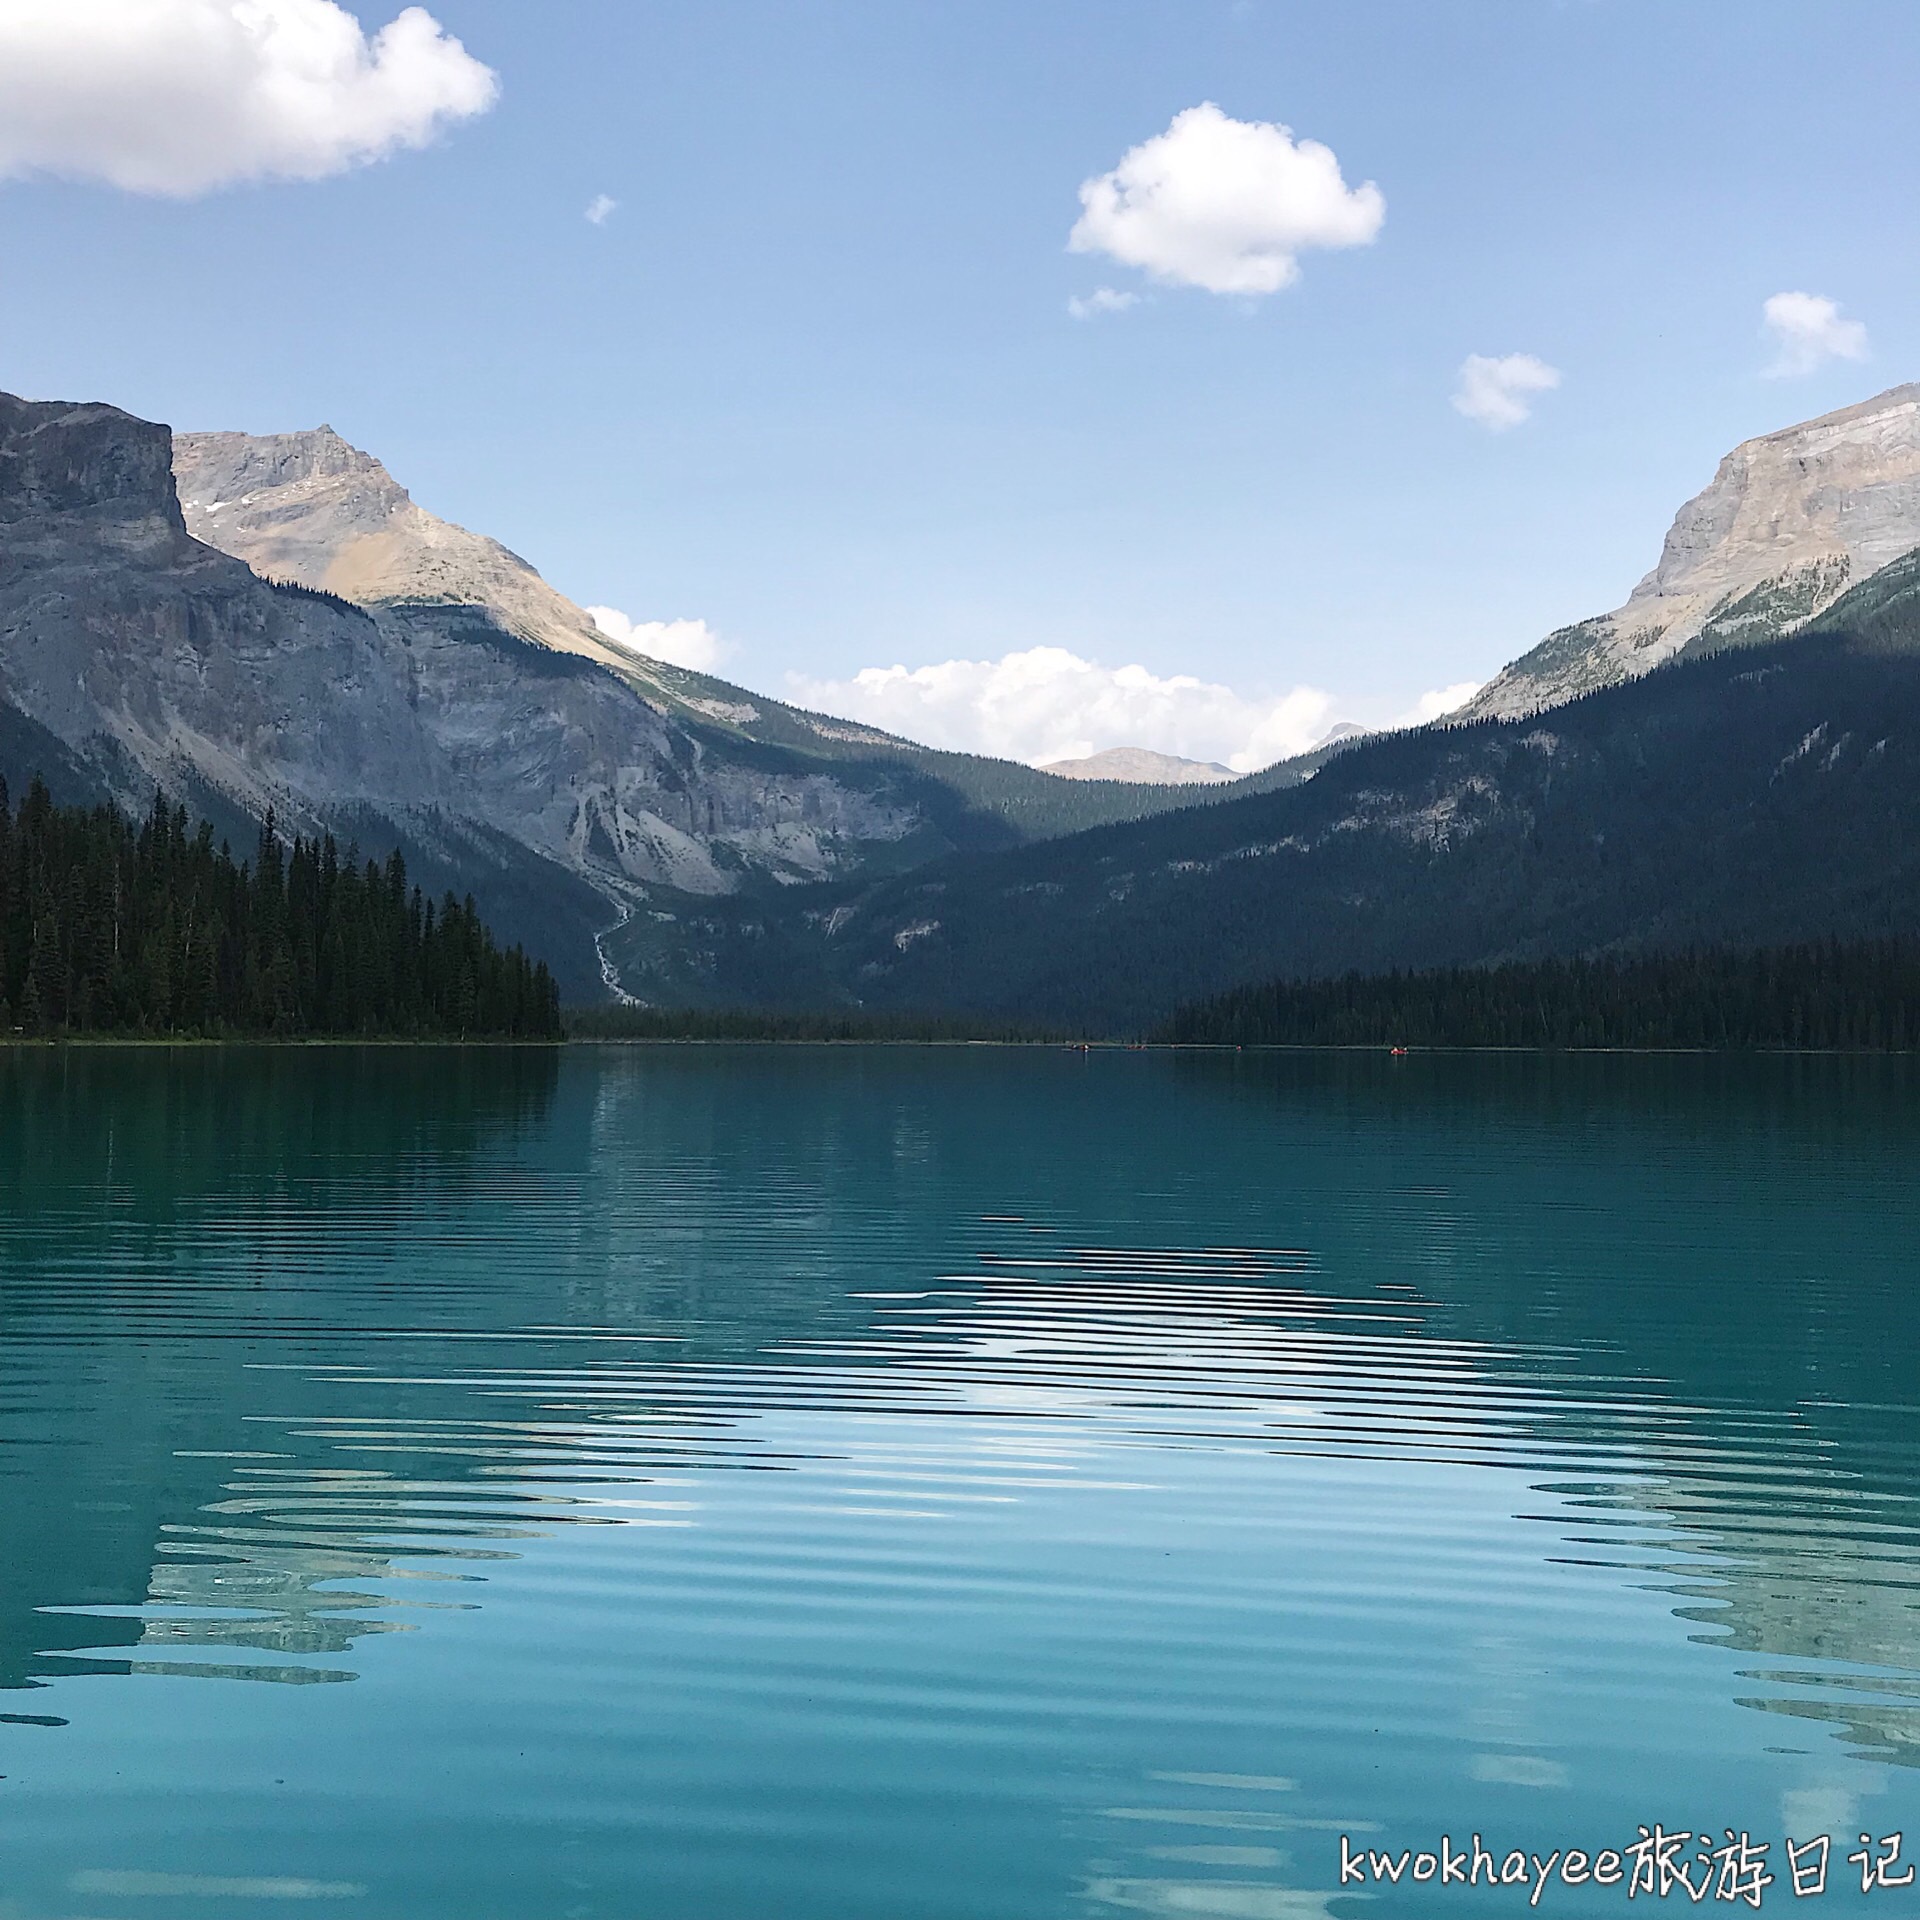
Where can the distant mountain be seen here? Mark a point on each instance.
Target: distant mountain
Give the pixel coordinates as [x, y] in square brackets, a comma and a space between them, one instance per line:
[1735, 798]
[1790, 522]
[412, 684]
[1139, 766]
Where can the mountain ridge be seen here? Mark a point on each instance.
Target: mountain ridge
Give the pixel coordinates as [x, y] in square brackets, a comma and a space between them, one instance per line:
[1790, 521]
[1729, 798]
[675, 835]
[311, 508]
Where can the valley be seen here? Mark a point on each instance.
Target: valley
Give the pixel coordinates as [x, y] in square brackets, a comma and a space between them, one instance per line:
[255, 623]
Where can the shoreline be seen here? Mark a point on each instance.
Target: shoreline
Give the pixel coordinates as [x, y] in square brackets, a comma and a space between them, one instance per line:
[52, 1043]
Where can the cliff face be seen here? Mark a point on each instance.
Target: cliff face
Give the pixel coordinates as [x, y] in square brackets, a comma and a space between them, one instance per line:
[1789, 522]
[502, 756]
[92, 470]
[144, 650]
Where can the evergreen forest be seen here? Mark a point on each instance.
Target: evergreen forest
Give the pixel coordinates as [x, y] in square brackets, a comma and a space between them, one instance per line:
[112, 927]
[751, 1024]
[1841, 995]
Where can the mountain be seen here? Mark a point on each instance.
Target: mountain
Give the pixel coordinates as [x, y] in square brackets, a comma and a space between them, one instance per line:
[400, 681]
[309, 508]
[1749, 800]
[1789, 523]
[1459, 843]
[329, 651]
[132, 656]
[1141, 767]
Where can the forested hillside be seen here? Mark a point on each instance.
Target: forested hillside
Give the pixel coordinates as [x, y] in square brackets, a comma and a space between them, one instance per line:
[109, 927]
[1857, 996]
[1745, 799]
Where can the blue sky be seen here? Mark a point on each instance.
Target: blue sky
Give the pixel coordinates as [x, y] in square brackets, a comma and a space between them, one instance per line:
[814, 380]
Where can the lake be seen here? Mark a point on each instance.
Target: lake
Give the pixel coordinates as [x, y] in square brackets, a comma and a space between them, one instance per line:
[875, 1483]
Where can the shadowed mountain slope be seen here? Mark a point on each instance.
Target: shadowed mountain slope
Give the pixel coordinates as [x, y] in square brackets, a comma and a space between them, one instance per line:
[1741, 798]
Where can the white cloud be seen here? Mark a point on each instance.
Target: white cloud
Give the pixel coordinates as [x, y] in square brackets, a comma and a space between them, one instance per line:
[681, 643]
[1049, 704]
[1499, 393]
[179, 97]
[1807, 331]
[601, 207]
[1224, 204]
[1101, 300]
[1437, 704]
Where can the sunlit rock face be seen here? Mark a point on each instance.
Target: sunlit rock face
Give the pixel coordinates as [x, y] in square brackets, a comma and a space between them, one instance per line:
[1790, 521]
[309, 508]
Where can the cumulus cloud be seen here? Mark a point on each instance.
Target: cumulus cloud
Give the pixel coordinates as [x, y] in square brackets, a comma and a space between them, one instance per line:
[1437, 704]
[681, 643]
[1049, 704]
[179, 97]
[1807, 331]
[1101, 300]
[601, 207]
[1499, 393]
[1224, 204]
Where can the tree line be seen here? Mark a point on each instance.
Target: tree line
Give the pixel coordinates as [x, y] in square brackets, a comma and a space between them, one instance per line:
[1840, 995]
[756, 1024]
[117, 927]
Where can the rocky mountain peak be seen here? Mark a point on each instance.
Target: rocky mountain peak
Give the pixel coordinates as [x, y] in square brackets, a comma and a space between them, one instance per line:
[225, 467]
[1790, 521]
[312, 508]
[1846, 483]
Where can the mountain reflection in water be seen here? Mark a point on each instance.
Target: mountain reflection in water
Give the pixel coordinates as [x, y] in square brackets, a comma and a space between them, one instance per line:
[1028, 1355]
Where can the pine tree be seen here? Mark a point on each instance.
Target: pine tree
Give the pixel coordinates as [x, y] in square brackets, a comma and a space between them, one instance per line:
[106, 925]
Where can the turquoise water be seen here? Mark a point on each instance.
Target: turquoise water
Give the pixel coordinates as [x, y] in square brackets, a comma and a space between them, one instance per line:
[863, 1484]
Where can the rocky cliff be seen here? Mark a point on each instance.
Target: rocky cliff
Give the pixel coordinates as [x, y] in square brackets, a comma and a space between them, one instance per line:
[309, 508]
[1789, 523]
